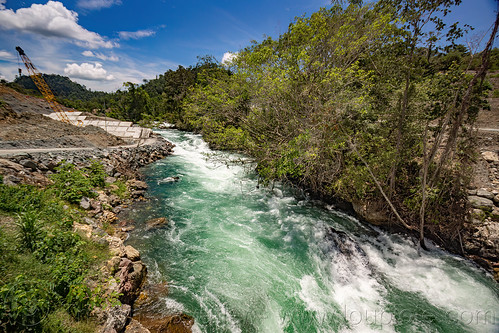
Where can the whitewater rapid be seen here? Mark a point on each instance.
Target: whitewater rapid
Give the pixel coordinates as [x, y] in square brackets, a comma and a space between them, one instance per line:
[244, 258]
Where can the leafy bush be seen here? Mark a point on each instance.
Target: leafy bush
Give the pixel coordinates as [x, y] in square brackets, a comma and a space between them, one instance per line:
[96, 174]
[58, 241]
[120, 189]
[29, 230]
[81, 300]
[24, 304]
[66, 271]
[71, 184]
[18, 198]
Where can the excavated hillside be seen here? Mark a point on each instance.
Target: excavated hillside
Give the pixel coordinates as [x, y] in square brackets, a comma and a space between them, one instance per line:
[23, 125]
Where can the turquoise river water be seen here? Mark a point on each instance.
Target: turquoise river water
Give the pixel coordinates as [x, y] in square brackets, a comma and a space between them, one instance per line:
[239, 258]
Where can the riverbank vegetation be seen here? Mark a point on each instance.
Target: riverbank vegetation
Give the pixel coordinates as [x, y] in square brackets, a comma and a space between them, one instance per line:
[47, 268]
[371, 104]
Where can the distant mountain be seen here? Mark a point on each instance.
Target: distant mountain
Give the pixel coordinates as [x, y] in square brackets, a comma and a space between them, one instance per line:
[62, 87]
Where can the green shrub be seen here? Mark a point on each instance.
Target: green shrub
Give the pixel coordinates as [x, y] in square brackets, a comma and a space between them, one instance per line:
[66, 271]
[24, 304]
[96, 174]
[71, 184]
[80, 301]
[58, 241]
[18, 198]
[121, 190]
[29, 230]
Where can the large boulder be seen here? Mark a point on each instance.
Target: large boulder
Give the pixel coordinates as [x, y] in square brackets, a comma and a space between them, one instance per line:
[131, 253]
[179, 323]
[132, 275]
[480, 202]
[6, 164]
[29, 164]
[85, 203]
[137, 184]
[136, 327]
[490, 156]
[117, 318]
[485, 194]
[156, 223]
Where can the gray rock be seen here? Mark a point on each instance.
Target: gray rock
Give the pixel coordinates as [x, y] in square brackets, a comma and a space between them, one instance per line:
[110, 180]
[137, 184]
[490, 156]
[11, 180]
[114, 200]
[117, 318]
[90, 221]
[156, 223]
[496, 199]
[495, 214]
[481, 203]
[131, 253]
[484, 194]
[42, 167]
[471, 192]
[85, 203]
[136, 194]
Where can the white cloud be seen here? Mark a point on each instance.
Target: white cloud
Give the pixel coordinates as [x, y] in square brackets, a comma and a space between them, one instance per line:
[86, 71]
[98, 4]
[136, 34]
[2, 4]
[100, 56]
[6, 55]
[52, 20]
[228, 57]
[88, 53]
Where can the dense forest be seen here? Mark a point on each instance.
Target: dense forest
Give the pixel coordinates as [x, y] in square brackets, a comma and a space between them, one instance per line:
[370, 104]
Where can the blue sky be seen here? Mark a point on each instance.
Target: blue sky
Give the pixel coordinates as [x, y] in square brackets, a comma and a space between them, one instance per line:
[103, 43]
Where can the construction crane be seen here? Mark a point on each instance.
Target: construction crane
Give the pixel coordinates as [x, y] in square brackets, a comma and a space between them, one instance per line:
[37, 78]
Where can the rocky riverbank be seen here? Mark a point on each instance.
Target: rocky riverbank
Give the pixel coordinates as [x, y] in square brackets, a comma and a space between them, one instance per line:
[124, 273]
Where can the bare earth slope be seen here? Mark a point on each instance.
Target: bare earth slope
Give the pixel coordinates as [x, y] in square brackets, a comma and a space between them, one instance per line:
[22, 125]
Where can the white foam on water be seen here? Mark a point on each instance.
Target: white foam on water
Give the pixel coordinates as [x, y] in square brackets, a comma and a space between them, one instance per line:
[225, 314]
[428, 275]
[245, 249]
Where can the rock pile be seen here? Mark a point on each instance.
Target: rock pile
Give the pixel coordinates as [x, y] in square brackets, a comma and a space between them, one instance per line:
[481, 237]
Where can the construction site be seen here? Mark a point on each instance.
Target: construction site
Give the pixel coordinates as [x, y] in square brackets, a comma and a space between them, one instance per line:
[38, 124]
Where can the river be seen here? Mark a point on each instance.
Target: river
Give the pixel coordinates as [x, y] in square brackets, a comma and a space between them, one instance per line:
[243, 258]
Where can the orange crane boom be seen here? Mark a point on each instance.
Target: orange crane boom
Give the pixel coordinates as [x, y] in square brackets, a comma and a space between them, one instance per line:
[37, 78]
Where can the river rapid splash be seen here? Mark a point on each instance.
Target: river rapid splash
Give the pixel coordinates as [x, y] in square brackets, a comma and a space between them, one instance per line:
[239, 258]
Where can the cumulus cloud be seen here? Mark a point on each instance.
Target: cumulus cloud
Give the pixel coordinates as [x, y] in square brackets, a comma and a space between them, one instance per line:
[228, 57]
[86, 71]
[97, 4]
[136, 34]
[100, 56]
[2, 4]
[6, 55]
[52, 20]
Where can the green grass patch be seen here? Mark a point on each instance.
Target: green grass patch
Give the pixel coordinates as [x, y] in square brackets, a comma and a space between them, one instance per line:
[45, 265]
[119, 188]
